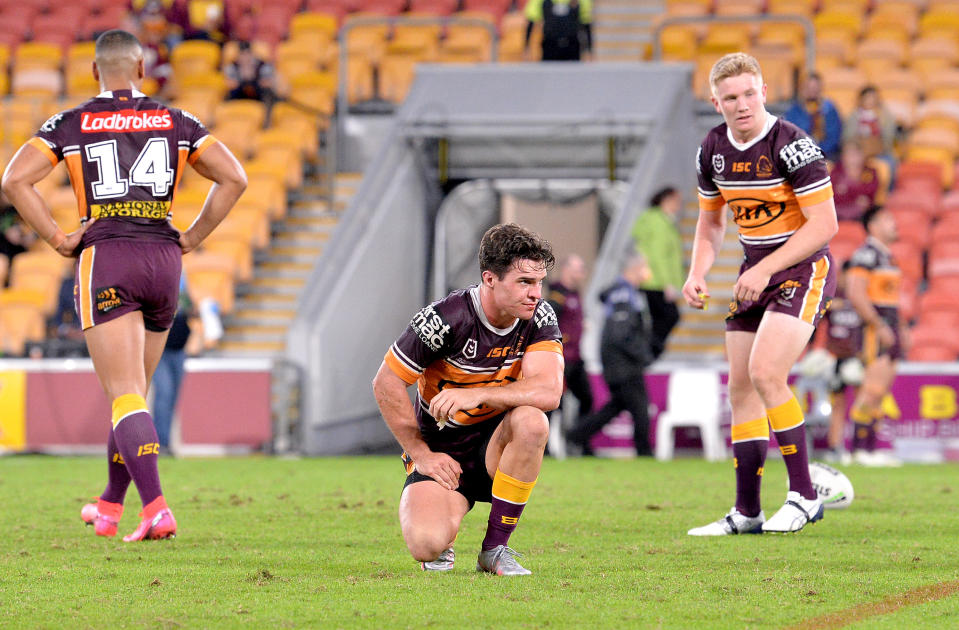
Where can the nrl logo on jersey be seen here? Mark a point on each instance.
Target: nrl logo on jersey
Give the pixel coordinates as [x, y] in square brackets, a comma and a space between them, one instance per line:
[469, 350]
[430, 328]
[545, 316]
[719, 163]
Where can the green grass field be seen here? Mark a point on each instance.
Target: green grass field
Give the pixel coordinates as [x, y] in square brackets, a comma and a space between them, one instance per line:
[315, 543]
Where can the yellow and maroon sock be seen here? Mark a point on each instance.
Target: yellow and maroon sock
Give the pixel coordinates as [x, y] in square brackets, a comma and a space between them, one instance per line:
[509, 498]
[864, 428]
[136, 439]
[789, 426]
[118, 477]
[750, 442]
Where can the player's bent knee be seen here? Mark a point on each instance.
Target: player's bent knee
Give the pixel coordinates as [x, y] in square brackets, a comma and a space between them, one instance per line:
[426, 546]
[529, 425]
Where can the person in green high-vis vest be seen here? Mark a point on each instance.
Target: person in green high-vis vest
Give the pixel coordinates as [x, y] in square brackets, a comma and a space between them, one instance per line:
[657, 238]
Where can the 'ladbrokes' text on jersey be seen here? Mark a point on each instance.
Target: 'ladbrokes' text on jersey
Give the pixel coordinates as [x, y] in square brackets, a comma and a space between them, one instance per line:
[451, 343]
[125, 154]
[764, 182]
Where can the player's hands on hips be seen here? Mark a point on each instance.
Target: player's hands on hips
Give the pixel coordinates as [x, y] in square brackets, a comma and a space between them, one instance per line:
[441, 467]
[751, 284]
[70, 247]
[187, 243]
[696, 292]
[446, 403]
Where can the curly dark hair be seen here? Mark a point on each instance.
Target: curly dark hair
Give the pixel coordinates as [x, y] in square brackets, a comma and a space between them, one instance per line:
[506, 243]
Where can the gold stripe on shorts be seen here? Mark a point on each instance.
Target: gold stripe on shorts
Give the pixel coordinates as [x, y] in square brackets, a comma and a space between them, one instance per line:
[814, 295]
[85, 281]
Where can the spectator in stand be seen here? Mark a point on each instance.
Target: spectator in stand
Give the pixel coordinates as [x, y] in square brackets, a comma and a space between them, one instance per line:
[657, 238]
[154, 33]
[873, 126]
[249, 77]
[855, 184]
[567, 28]
[817, 116]
[15, 238]
[566, 300]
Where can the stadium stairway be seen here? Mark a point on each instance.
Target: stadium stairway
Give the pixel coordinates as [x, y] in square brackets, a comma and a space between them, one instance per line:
[265, 306]
[700, 334]
[622, 29]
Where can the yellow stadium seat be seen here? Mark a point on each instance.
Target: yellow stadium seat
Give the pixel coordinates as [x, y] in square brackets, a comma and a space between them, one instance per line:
[932, 118]
[721, 40]
[249, 221]
[20, 324]
[200, 103]
[193, 56]
[935, 137]
[805, 8]
[679, 42]
[359, 80]
[304, 125]
[37, 55]
[245, 111]
[367, 40]
[935, 155]
[210, 275]
[262, 168]
[944, 86]
[231, 245]
[36, 82]
[266, 192]
[291, 67]
[941, 21]
[888, 24]
[856, 7]
[396, 77]
[844, 21]
[418, 32]
[213, 82]
[842, 85]
[314, 26]
[26, 297]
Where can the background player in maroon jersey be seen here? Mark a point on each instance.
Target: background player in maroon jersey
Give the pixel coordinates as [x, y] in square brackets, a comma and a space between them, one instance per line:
[488, 364]
[125, 154]
[873, 289]
[774, 179]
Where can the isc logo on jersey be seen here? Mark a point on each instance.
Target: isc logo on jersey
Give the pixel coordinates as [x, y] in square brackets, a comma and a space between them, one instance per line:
[430, 328]
[126, 120]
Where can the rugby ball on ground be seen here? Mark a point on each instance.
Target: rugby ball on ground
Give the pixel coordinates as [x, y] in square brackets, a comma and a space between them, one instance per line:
[833, 487]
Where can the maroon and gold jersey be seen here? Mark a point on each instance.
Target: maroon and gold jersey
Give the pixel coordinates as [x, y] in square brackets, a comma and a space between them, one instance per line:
[765, 182]
[451, 343]
[125, 154]
[874, 262]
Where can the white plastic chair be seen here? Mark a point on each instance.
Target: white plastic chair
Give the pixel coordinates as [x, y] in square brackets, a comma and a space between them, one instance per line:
[693, 400]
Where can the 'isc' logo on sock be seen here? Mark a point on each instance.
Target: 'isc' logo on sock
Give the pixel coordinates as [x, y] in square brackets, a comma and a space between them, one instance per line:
[149, 449]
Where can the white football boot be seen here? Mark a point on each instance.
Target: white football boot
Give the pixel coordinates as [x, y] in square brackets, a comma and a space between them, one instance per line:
[732, 523]
[794, 514]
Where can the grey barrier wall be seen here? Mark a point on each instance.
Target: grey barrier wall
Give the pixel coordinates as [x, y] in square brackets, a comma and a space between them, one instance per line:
[550, 120]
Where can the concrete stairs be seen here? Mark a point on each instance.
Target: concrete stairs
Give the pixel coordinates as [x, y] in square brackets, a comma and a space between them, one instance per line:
[622, 29]
[266, 306]
[701, 334]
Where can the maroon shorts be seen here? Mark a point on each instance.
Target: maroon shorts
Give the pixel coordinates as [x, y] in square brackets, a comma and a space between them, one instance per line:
[872, 349]
[115, 277]
[803, 291]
